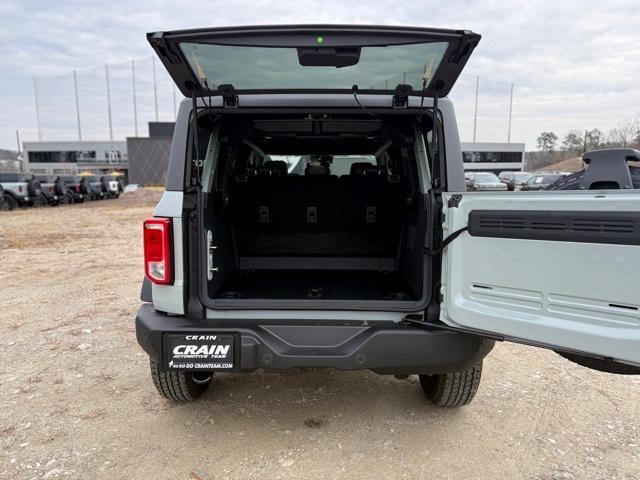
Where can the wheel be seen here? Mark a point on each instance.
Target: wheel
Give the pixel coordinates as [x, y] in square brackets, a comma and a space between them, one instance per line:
[179, 386]
[8, 204]
[452, 389]
[572, 182]
[40, 201]
[65, 199]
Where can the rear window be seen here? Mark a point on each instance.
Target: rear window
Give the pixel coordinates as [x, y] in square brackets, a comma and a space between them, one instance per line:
[265, 68]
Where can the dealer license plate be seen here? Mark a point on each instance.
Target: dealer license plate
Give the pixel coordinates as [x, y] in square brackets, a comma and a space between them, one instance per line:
[200, 352]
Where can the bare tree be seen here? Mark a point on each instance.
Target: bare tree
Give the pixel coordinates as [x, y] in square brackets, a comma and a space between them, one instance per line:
[626, 134]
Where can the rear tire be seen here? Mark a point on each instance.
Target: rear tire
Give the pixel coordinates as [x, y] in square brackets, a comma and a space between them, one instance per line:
[8, 204]
[40, 201]
[179, 386]
[452, 389]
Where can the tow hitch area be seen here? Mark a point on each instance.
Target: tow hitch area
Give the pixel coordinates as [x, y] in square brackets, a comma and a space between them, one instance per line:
[200, 352]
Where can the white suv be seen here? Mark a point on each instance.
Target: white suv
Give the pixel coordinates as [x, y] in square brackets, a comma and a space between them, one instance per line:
[266, 251]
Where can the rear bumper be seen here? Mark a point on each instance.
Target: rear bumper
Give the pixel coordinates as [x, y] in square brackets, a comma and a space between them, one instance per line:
[281, 345]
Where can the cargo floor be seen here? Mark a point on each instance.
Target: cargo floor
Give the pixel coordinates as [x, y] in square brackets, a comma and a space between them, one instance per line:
[342, 285]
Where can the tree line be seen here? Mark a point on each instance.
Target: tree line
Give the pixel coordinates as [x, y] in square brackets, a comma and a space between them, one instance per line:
[551, 149]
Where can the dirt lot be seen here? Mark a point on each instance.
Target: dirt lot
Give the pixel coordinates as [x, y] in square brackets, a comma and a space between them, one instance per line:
[76, 400]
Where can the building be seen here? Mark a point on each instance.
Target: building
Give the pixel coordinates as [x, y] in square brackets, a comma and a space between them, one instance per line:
[493, 157]
[10, 161]
[67, 158]
[149, 156]
[144, 160]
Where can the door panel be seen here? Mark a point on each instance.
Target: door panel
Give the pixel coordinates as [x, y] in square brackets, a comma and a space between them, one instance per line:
[557, 268]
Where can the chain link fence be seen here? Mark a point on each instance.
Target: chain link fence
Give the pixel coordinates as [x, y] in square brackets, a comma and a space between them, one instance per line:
[117, 101]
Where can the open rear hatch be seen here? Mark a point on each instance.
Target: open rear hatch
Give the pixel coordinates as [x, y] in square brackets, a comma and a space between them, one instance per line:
[346, 227]
[314, 58]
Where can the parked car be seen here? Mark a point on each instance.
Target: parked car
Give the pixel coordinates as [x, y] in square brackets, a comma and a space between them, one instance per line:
[21, 189]
[77, 187]
[514, 180]
[541, 181]
[5, 204]
[54, 189]
[484, 182]
[391, 267]
[97, 190]
[111, 186]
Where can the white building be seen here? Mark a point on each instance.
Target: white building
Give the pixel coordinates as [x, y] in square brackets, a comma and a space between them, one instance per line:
[65, 158]
[493, 157]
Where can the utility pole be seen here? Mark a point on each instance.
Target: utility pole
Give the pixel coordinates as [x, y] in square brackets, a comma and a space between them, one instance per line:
[19, 142]
[35, 97]
[75, 88]
[135, 104]
[155, 86]
[510, 112]
[106, 72]
[475, 111]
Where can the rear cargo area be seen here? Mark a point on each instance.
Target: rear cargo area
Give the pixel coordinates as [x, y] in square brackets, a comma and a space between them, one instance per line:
[316, 220]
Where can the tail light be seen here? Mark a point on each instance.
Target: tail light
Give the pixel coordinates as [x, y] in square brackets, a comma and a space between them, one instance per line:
[77, 188]
[158, 245]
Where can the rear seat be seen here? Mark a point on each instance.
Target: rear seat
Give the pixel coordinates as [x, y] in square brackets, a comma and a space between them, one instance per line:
[316, 214]
[370, 211]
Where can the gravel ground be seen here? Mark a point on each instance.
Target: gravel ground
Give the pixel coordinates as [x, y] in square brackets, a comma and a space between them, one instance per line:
[76, 399]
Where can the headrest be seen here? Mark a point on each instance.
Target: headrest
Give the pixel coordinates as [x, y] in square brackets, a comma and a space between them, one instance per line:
[364, 168]
[316, 169]
[277, 167]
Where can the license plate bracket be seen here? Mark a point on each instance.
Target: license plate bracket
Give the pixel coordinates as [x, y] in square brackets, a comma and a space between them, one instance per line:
[201, 351]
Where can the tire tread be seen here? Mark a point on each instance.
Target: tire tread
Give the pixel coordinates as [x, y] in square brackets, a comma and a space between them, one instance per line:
[177, 386]
[453, 389]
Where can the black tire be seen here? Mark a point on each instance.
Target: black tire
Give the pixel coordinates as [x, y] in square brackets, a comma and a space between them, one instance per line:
[7, 203]
[40, 201]
[452, 389]
[179, 386]
[65, 199]
[572, 182]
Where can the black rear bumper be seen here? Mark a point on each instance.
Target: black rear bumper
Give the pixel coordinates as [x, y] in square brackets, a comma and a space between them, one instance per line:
[388, 348]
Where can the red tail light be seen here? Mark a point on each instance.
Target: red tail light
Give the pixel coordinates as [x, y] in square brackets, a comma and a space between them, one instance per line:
[158, 245]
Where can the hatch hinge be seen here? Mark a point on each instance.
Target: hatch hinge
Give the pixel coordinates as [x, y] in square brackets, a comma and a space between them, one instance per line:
[467, 43]
[401, 96]
[229, 97]
[162, 47]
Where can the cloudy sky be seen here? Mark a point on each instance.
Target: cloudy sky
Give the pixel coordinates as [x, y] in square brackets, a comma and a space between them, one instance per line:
[575, 63]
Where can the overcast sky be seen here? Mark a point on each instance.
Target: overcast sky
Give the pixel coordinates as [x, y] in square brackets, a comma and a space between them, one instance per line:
[575, 64]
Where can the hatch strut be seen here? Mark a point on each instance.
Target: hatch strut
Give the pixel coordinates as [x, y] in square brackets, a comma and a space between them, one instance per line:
[196, 162]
